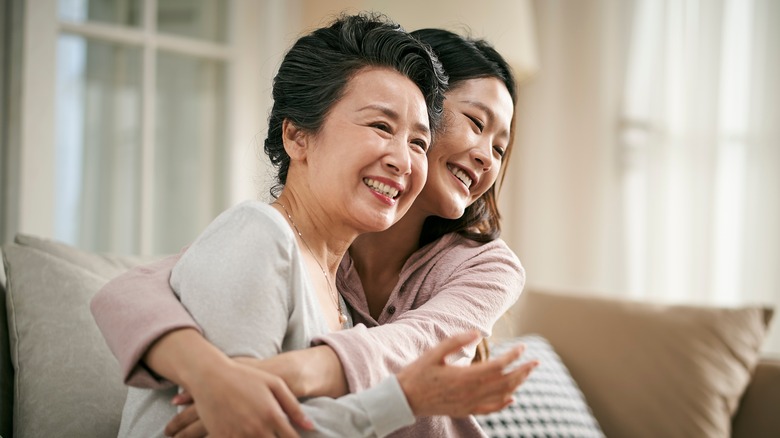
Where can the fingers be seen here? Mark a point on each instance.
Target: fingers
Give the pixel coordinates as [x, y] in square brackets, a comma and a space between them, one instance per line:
[492, 407]
[510, 356]
[291, 406]
[494, 392]
[183, 398]
[193, 430]
[181, 421]
[495, 368]
[449, 346]
[283, 428]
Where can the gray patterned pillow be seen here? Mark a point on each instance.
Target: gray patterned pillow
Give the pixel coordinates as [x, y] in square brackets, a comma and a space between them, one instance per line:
[549, 404]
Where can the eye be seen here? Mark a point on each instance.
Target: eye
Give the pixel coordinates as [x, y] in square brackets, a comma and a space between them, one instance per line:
[422, 144]
[500, 150]
[382, 126]
[477, 123]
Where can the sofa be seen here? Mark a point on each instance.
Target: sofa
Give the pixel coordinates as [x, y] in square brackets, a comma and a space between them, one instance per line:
[636, 369]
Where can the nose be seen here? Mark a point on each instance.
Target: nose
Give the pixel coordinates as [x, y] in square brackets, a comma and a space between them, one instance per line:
[482, 156]
[399, 158]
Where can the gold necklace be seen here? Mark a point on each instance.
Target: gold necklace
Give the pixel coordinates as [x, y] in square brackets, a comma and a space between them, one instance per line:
[331, 293]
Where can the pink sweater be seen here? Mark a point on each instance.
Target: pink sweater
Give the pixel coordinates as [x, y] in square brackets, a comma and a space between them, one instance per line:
[447, 287]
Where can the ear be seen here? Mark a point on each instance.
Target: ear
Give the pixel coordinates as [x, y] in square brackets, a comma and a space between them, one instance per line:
[295, 140]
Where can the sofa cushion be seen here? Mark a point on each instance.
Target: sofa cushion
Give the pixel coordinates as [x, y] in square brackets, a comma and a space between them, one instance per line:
[650, 370]
[548, 404]
[67, 383]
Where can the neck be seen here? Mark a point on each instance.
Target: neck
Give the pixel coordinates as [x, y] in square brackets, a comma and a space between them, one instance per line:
[327, 241]
[383, 254]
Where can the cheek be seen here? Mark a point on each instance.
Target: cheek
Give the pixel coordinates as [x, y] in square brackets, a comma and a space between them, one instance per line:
[419, 172]
[488, 180]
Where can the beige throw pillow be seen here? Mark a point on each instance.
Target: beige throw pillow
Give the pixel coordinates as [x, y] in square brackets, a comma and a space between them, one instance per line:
[67, 383]
[650, 370]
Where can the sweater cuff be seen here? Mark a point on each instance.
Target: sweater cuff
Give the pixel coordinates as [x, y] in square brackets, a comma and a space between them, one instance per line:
[386, 406]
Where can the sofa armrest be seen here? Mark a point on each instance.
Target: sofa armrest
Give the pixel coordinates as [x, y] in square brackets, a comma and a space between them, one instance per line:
[757, 415]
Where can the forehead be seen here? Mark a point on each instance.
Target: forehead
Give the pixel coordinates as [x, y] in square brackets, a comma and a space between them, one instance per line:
[374, 83]
[488, 94]
[385, 91]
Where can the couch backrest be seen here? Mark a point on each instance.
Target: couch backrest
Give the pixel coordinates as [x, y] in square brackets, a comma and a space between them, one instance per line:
[648, 369]
[50, 346]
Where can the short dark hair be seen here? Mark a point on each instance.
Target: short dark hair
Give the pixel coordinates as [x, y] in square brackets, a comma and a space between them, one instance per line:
[466, 58]
[313, 75]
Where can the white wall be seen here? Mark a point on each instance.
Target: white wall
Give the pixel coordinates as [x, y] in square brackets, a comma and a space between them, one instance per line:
[560, 201]
[508, 24]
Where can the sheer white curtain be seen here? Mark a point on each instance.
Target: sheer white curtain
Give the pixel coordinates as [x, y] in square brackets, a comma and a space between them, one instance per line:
[649, 152]
[701, 175]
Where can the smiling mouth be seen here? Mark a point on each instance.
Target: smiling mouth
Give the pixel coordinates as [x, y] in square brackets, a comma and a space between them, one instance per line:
[381, 188]
[461, 175]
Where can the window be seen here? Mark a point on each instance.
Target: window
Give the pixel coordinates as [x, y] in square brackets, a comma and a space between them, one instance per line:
[132, 113]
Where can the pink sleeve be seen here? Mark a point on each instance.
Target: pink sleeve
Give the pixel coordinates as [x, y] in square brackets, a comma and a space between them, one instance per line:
[471, 297]
[136, 309]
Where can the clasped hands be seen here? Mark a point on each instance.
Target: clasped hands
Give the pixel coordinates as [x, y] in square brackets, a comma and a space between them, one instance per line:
[253, 398]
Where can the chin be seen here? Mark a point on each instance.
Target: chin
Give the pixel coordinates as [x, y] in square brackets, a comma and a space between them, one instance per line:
[453, 213]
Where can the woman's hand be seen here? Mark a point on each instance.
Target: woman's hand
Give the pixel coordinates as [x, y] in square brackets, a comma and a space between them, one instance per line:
[239, 401]
[434, 388]
[289, 367]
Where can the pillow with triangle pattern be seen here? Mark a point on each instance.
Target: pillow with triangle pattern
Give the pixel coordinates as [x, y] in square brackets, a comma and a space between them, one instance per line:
[549, 404]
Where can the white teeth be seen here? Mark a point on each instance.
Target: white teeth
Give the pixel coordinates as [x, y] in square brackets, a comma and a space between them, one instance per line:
[461, 175]
[382, 188]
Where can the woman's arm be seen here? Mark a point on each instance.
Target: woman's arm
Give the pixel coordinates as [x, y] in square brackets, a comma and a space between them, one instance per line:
[138, 313]
[430, 386]
[473, 297]
[245, 284]
[469, 290]
[136, 309]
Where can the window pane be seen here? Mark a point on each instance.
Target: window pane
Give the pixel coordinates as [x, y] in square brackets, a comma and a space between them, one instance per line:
[98, 144]
[201, 19]
[189, 148]
[124, 12]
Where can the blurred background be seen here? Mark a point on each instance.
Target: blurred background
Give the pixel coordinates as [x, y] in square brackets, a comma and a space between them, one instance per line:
[648, 141]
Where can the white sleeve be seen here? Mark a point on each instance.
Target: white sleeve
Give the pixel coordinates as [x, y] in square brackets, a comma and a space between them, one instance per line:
[374, 412]
[235, 280]
[240, 280]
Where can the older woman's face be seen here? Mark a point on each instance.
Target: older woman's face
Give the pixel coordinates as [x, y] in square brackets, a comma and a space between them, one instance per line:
[369, 158]
[465, 161]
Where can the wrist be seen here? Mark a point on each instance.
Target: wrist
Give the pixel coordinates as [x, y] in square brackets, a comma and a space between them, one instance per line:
[185, 357]
[325, 380]
[203, 368]
[328, 380]
[404, 381]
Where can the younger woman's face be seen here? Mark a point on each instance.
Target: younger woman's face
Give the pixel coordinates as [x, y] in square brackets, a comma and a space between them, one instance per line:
[466, 158]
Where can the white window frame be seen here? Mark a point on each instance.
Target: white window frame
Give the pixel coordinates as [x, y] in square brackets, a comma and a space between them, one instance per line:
[256, 39]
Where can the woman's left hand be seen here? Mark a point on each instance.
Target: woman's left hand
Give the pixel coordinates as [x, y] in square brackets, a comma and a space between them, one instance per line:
[432, 387]
[186, 424]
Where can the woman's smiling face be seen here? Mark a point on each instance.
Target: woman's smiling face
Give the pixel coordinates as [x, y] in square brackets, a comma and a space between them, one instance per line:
[367, 162]
[466, 158]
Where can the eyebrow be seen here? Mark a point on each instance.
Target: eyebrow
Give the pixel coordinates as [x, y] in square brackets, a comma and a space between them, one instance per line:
[389, 112]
